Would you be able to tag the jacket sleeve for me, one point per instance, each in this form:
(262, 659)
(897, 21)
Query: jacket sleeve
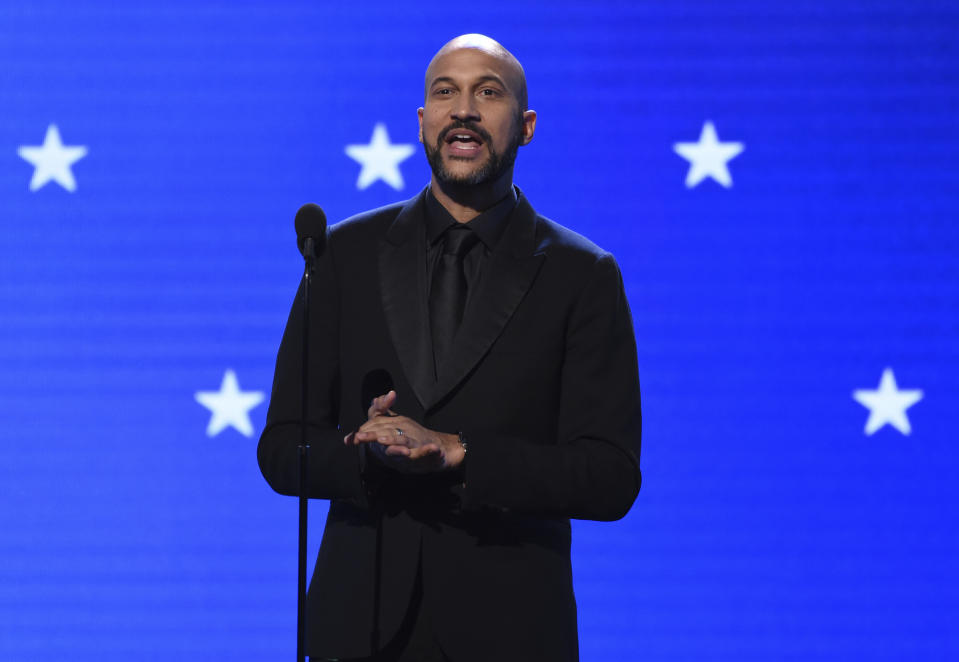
(334, 469)
(592, 469)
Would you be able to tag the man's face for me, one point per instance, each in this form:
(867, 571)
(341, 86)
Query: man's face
(471, 124)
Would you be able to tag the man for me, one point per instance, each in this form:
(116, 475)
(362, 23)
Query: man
(500, 349)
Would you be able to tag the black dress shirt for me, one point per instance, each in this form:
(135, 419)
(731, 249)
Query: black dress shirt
(488, 226)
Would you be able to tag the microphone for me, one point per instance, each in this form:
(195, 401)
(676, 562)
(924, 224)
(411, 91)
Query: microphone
(375, 383)
(310, 225)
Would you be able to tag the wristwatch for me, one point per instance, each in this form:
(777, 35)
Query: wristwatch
(466, 447)
(463, 443)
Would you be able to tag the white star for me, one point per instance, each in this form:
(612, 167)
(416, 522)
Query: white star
(887, 404)
(380, 159)
(708, 157)
(230, 406)
(52, 160)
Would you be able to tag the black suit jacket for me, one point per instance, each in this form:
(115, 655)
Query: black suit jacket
(542, 380)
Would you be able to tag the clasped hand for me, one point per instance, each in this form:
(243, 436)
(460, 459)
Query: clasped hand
(403, 444)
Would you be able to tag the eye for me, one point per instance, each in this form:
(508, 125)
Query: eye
(443, 91)
(489, 92)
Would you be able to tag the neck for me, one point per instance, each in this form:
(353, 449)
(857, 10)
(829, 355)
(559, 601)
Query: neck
(464, 203)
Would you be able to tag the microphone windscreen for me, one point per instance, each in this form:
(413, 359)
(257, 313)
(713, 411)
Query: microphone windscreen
(310, 223)
(375, 383)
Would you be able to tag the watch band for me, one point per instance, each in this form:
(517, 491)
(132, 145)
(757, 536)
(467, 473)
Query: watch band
(461, 469)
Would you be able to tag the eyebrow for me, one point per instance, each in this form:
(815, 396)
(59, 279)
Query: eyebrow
(482, 79)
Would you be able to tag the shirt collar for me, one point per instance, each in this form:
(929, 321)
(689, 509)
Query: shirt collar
(488, 226)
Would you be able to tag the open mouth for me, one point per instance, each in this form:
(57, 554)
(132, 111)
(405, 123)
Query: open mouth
(463, 142)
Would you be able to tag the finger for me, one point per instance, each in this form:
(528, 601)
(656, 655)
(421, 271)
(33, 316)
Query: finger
(389, 399)
(380, 405)
(376, 408)
(387, 438)
(377, 423)
(384, 423)
(368, 430)
(390, 439)
(398, 451)
(349, 439)
(364, 438)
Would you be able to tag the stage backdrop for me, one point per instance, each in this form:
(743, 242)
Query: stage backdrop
(778, 181)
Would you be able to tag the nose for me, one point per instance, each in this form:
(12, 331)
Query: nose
(465, 108)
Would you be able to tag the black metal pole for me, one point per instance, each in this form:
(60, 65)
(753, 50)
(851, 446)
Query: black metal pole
(303, 461)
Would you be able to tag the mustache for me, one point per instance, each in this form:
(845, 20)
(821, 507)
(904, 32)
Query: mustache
(469, 126)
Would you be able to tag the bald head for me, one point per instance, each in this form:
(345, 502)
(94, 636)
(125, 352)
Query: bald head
(512, 70)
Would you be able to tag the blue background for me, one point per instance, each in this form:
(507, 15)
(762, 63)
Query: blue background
(770, 526)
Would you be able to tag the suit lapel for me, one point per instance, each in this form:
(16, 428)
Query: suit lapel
(403, 289)
(507, 276)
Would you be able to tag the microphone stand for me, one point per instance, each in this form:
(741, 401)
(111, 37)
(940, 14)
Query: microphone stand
(303, 456)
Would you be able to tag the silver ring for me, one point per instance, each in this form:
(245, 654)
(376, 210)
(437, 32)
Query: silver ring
(399, 431)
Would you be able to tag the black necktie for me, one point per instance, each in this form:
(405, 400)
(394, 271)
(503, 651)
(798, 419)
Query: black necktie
(448, 290)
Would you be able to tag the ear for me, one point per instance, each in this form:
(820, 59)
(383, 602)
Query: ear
(419, 115)
(529, 126)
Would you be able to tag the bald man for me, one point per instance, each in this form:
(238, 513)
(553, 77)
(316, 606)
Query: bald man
(500, 349)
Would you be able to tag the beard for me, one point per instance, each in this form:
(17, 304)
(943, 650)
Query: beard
(488, 171)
